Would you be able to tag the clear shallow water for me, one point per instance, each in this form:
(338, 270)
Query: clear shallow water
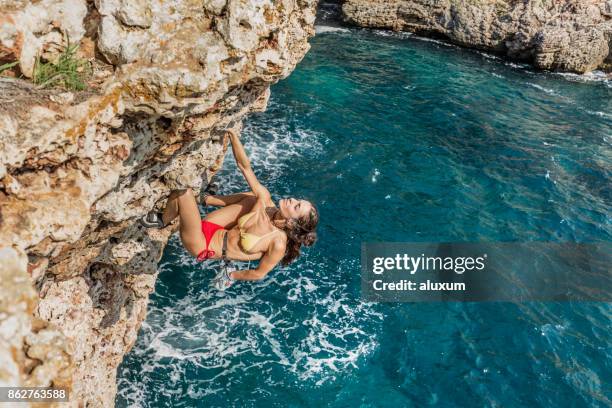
(397, 139)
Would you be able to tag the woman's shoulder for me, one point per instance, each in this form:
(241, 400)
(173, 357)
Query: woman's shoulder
(261, 204)
(282, 235)
(279, 242)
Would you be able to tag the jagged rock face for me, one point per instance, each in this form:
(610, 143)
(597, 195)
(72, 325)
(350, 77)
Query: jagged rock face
(26, 342)
(564, 35)
(78, 169)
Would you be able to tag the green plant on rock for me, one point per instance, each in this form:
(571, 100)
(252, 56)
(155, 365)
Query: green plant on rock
(69, 71)
(6, 66)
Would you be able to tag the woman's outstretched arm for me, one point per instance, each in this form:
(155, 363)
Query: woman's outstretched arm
(244, 165)
(268, 261)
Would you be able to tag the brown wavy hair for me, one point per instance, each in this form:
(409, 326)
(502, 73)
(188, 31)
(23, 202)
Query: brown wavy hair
(300, 232)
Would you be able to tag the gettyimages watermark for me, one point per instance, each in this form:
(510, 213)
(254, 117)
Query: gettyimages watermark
(514, 272)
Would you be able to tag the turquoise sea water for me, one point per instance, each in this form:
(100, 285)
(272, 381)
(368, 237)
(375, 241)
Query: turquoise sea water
(397, 138)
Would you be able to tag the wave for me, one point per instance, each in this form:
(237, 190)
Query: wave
(594, 76)
(600, 114)
(552, 92)
(488, 56)
(541, 88)
(434, 41)
(517, 65)
(394, 34)
(323, 29)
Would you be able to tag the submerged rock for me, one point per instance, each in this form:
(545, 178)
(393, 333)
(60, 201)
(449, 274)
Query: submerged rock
(565, 35)
(78, 168)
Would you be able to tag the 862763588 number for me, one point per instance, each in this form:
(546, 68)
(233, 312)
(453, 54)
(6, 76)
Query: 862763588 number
(33, 394)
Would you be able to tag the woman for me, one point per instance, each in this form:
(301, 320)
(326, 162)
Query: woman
(248, 227)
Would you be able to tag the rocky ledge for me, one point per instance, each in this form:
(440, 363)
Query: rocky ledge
(78, 168)
(561, 35)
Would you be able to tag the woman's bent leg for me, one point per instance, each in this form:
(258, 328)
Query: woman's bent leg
(183, 204)
(228, 215)
(222, 201)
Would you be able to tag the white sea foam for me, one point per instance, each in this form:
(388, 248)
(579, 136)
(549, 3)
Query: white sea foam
(489, 56)
(384, 33)
(541, 88)
(589, 77)
(272, 146)
(594, 76)
(600, 114)
(406, 34)
(433, 40)
(395, 34)
(304, 286)
(552, 92)
(323, 29)
(375, 175)
(518, 65)
(210, 332)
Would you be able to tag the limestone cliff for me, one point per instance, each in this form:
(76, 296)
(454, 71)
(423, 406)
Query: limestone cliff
(78, 168)
(564, 35)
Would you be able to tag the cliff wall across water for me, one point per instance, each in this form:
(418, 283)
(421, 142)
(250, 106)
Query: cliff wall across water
(78, 168)
(560, 35)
